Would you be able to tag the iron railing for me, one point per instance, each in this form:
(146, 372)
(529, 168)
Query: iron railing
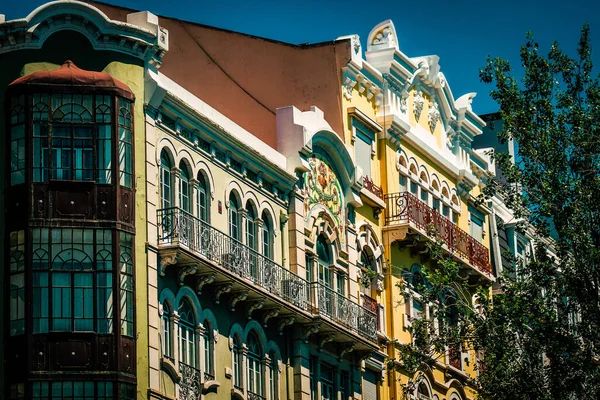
(372, 187)
(454, 354)
(176, 226)
(189, 385)
(255, 396)
(344, 311)
(407, 208)
(371, 304)
(208, 377)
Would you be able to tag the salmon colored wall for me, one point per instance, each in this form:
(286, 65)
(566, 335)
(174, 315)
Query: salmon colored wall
(263, 74)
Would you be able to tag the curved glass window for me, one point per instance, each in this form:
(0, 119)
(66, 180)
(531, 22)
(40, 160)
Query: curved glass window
(255, 377)
(67, 265)
(72, 139)
(17, 140)
(187, 334)
(17, 283)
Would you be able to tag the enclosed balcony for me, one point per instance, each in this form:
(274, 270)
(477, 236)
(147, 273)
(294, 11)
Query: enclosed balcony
(231, 267)
(406, 214)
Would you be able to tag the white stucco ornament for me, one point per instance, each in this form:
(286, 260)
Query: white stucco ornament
(383, 36)
(418, 104)
(433, 116)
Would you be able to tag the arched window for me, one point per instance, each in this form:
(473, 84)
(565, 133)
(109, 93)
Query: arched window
(325, 260)
(187, 334)
(423, 392)
(203, 198)
(234, 218)
(165, 180)
(267, 236)
(207, 342)
(251, 239)
(237, 363)
(167, 347)
(255, 376)
(184, 188)
(273, 377)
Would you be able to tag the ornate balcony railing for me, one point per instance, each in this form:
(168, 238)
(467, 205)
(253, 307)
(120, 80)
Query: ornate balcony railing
(189, 385)
(254, 396)
(208, 377)
(178, 226)
(454, 356)
(372, 187)
(371, 304)
(406, 207)
(344, 311)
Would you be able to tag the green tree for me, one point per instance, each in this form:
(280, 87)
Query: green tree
(542, 336)
(539, 335)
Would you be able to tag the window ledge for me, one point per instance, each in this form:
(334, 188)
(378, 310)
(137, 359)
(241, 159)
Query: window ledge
(211, 385)
(371, 199)
(170, 369)
(236, 394)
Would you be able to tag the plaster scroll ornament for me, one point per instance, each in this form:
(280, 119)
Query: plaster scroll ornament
(403, 106)
(419, 102)
(433, 116)
(356, 44)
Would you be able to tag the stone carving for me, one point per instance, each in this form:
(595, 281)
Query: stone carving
(236, 298)
(418, 103)
(433, 116)
(270, 314)
(204, 280)
(347, 87)
(283, 322)
(257, 305)
(221, 290)
(385, 36)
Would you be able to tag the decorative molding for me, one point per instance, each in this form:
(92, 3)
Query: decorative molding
(433, 116)
(268, 314)
(418, 104)
(256, 305)
(286, 321)
(166, 259)
(219, 291)
(204, 280)
(326, 338)
(309, 329)
(185, 270)
(347, 87)
(236, 298)
(346, 348)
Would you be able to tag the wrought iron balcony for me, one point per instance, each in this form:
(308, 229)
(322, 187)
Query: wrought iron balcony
(454, 354)
(176, 226)
(406, 208)
(255, 396)
(371, 304)
(189, 386)
(344, 311)
(181, 230)
(372, 187)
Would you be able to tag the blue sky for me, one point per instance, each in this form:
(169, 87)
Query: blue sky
(461, 32)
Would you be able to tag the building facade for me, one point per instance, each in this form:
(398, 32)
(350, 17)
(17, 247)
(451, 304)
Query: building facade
(185, 220)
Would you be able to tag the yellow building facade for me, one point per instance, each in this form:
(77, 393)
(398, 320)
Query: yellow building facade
(187, 254)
